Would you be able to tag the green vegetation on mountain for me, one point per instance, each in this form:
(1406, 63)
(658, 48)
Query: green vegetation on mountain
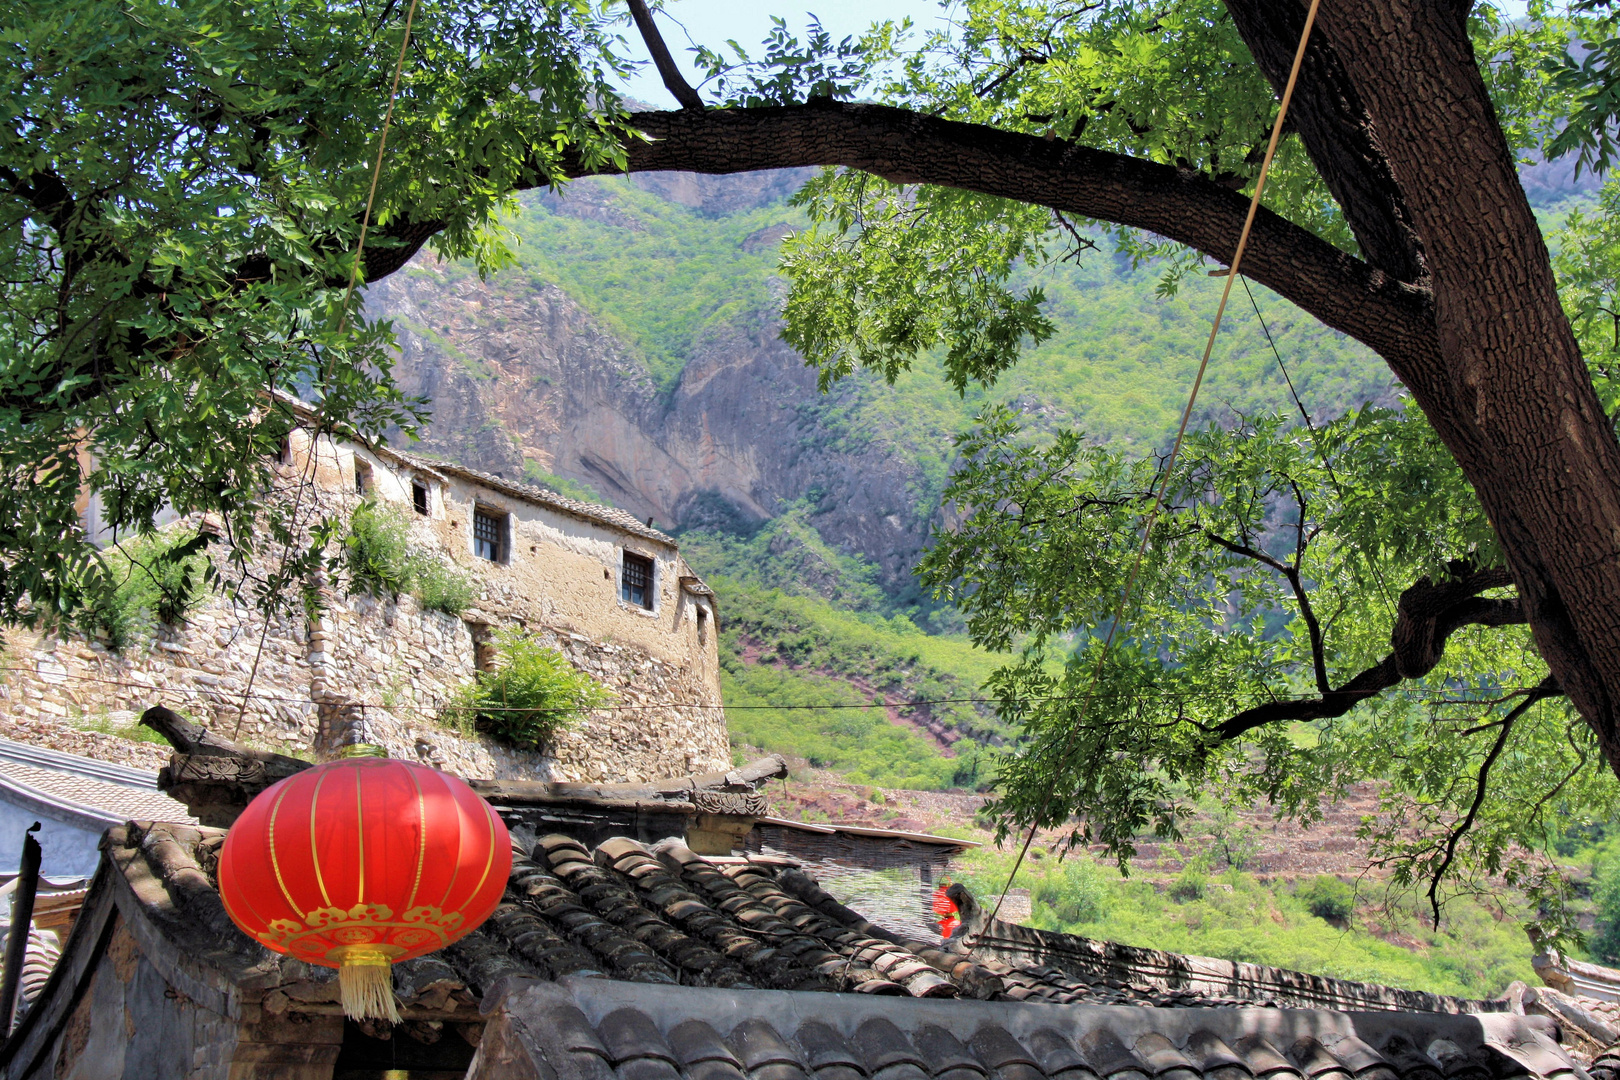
(663, 276)
(1235, 915)
(803, 677)
(659, 275)
(825, 720)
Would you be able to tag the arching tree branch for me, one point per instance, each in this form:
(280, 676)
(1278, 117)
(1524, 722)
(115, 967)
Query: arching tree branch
(1546, 689)
(667, 71)
(1393, 318)
(1427, 614)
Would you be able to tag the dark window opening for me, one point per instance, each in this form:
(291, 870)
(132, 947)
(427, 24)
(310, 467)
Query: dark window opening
(636, 581)
(703, 626)
(483, 646)
(406, 1053)
(284, 451)
(419, 499)
(362, 477)
(487, 529)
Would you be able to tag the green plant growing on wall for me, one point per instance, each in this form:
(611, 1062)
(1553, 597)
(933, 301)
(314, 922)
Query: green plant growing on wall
(438, 587)
(380, 560)
(377, 550)
(531, 694)
(104, 723)
(156, 579)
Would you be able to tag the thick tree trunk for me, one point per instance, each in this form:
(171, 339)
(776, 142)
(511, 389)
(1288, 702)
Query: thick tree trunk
(1507, 389)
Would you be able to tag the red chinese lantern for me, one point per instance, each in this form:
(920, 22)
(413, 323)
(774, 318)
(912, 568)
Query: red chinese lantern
(361, 863)
(946, 911)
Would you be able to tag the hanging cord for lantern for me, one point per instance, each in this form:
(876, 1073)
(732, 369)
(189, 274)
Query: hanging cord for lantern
(1175, 449)
(365, 972)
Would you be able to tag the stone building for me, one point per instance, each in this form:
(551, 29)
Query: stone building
(611, 593)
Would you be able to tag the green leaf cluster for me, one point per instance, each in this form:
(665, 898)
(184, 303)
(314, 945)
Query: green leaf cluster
(1275, 569)
(153, 580)
(381, 559)
(182, 190)
(530, 694)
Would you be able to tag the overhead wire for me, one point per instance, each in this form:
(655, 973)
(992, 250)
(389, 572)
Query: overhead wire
(1427, 695)
(1316, 444)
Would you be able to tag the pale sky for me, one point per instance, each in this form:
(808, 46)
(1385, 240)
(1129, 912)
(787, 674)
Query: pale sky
(711, 22)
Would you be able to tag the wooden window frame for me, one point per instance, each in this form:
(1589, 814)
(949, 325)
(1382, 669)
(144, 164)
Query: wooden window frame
(500, 544)
(637, 571)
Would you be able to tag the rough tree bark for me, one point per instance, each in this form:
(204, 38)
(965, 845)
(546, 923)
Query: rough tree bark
(1506, 388)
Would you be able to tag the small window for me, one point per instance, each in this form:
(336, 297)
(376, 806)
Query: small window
(284, 451)
(419, 499)
(636, 582)
(487, 529)
(703, 626)
(362, 477)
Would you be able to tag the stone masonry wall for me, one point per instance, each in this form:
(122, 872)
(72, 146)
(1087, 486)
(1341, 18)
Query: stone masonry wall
(383, 669)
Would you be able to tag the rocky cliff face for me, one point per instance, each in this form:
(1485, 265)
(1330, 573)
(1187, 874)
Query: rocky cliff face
(523, 379)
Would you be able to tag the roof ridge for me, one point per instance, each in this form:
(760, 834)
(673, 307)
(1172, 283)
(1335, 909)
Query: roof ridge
(77, 764)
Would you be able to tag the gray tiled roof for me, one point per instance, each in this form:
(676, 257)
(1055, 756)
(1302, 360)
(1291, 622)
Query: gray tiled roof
(606, 515)
(583, 1029)
(661, 915)
(58, 761)
(119, 800)
(666, 915)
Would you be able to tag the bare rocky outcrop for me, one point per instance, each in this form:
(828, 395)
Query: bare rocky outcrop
(517, 373)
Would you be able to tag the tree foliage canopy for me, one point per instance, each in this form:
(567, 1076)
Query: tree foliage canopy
(1320, 603)
(184, 185)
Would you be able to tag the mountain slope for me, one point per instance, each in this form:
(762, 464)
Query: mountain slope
(633, 349)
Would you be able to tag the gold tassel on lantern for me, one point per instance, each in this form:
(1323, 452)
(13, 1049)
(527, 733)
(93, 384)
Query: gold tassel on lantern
(366, 984)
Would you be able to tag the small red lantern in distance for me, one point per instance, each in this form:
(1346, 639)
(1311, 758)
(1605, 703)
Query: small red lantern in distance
(361, 863)
(946, 911)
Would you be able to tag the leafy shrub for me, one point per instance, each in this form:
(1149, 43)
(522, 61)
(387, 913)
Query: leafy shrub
(573, 489)
(377, 550)
(378, 553)
(440, 588)
(1075, 892)
(1329, 898)
(532, 693)
(1189, 885)
(160, 580)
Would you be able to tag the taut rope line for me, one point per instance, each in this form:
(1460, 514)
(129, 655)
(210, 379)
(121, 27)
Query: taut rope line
(1181, 431)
